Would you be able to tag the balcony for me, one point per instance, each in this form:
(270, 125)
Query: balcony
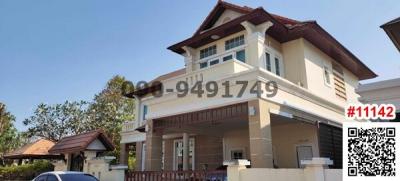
(212, 73)
(129, 126)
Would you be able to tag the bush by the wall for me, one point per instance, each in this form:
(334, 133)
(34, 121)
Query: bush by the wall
(26, 171)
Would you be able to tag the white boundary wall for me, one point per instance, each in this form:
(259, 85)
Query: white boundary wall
(315, 170)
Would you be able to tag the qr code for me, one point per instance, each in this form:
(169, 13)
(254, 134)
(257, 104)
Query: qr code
(371, 151)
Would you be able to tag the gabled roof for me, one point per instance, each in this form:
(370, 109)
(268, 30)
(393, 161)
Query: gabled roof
(38, 149)
(283, 29)
(80, 142)
(221, 6)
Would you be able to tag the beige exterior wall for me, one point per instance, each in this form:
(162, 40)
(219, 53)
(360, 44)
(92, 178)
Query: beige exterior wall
(236, 140)
(286, 137)
(208, 151)
(227, 14)
(315, 60)
(294, 64)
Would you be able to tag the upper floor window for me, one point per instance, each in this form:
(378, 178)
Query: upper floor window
(277, 66)
(213, 62)
(268, 61)
(144, 112)
(274, 63)
(203, 65)
(327, 76)
(234, 42)
(241, 55)
(206, 52)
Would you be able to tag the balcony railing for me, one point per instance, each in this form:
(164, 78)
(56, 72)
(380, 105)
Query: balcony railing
(211, 73)
(129, 126)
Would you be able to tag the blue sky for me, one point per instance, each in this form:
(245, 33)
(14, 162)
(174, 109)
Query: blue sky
(52, 51)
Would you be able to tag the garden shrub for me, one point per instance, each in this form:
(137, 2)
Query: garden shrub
(26, 171)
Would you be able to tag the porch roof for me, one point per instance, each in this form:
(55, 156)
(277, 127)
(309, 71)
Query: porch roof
(80, 142)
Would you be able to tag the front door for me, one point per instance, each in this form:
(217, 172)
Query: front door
(76, 162)
(303, 153)
(178, 154)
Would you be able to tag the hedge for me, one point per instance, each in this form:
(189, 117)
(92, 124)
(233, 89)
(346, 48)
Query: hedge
(26, 171)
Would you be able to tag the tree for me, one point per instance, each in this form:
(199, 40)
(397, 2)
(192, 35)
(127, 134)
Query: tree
(9, 136)
(110, 109)
(54, 122)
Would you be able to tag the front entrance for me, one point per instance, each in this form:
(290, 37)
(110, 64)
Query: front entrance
(178, 154)
(76, 162)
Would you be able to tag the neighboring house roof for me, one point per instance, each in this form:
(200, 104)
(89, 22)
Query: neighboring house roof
(153, 84)
(80, 142)
(38, 149)
(170, 75)
(392, 29)
(284, 30)
(381, 92)
(385, 84)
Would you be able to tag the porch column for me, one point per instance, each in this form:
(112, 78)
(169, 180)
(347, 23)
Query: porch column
(260, 134)
(255, 41)
(153, 148)
(185, 151)
(189, 55)
(123, 159)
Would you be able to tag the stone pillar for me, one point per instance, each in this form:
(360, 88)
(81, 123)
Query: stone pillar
(185, 151)
(123, 158)
(153, 148)
(234, 168)
(260, 135)
(189, 59)
(314, 169)
(138, 110)
(138, 155)
(255, 42)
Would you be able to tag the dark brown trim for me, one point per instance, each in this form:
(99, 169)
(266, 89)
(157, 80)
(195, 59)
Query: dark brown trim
(392, 29)
(217, 11)
(213, 116)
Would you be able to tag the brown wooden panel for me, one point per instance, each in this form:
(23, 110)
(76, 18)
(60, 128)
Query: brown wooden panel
(215, 115)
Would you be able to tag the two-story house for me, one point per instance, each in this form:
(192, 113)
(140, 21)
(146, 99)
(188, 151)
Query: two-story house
(306, 78)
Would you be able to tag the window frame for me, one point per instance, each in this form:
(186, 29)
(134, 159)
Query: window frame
(241, 41)
(241, 149)
(327, 80)
(273, 56)
(220, 57)
(208, 48)
(145, 110)
(213, 60)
